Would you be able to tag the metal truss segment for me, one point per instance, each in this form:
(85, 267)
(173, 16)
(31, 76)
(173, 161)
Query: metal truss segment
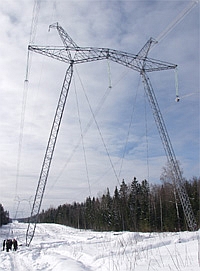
(176, 172)
(93, 54)
(48, 156)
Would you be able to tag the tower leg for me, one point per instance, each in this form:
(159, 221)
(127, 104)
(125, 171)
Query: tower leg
(48, 156)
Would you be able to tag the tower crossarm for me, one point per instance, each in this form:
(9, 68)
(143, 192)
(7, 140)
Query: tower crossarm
(89, 54)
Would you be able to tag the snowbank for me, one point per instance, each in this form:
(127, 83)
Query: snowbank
(57, 247)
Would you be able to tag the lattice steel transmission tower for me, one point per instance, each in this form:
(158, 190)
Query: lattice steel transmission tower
(72, 54)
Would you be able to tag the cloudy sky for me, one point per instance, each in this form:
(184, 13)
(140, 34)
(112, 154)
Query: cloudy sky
(107, 133)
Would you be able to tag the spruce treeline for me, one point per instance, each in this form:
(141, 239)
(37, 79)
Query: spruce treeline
(4, 216)
(136, 206)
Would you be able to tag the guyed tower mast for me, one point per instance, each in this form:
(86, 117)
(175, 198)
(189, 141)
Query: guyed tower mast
(72, 54)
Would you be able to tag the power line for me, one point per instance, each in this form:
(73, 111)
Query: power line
(32, 36)
(99, 130)
(87, 127)
(82, 140)
(176, 21)
(129, 128)
(35, 12)
(33, 30)
(146, 135)
(34, 21)
(25, 92)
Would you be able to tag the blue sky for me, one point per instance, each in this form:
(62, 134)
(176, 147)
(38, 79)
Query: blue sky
(120, 25)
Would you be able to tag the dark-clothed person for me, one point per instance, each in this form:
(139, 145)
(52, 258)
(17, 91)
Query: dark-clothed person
(4, 244)
(15, 245)
(8, 245)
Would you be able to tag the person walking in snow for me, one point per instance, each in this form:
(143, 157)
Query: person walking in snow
(4, 244)
(8, 245)
(15, 245)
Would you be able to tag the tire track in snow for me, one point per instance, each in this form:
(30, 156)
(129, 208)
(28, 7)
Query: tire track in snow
(14, 261)
(21, 264)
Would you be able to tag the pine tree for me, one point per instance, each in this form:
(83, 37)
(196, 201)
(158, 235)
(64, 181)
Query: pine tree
(123, 192)
(117, 217)
(4, 216)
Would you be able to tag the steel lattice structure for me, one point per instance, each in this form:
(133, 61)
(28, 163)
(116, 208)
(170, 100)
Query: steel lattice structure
(72, 54)
(48, 156)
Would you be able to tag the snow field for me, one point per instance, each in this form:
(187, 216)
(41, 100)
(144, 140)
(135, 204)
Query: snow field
(57, 247)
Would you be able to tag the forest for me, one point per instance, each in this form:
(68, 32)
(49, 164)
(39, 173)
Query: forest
(134, 206)
(4, 216)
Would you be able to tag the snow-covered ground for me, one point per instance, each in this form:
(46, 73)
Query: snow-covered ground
(57, 247)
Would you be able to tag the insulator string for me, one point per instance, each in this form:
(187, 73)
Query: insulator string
(176, 85)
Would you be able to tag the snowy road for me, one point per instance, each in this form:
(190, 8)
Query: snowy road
(57, 247)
